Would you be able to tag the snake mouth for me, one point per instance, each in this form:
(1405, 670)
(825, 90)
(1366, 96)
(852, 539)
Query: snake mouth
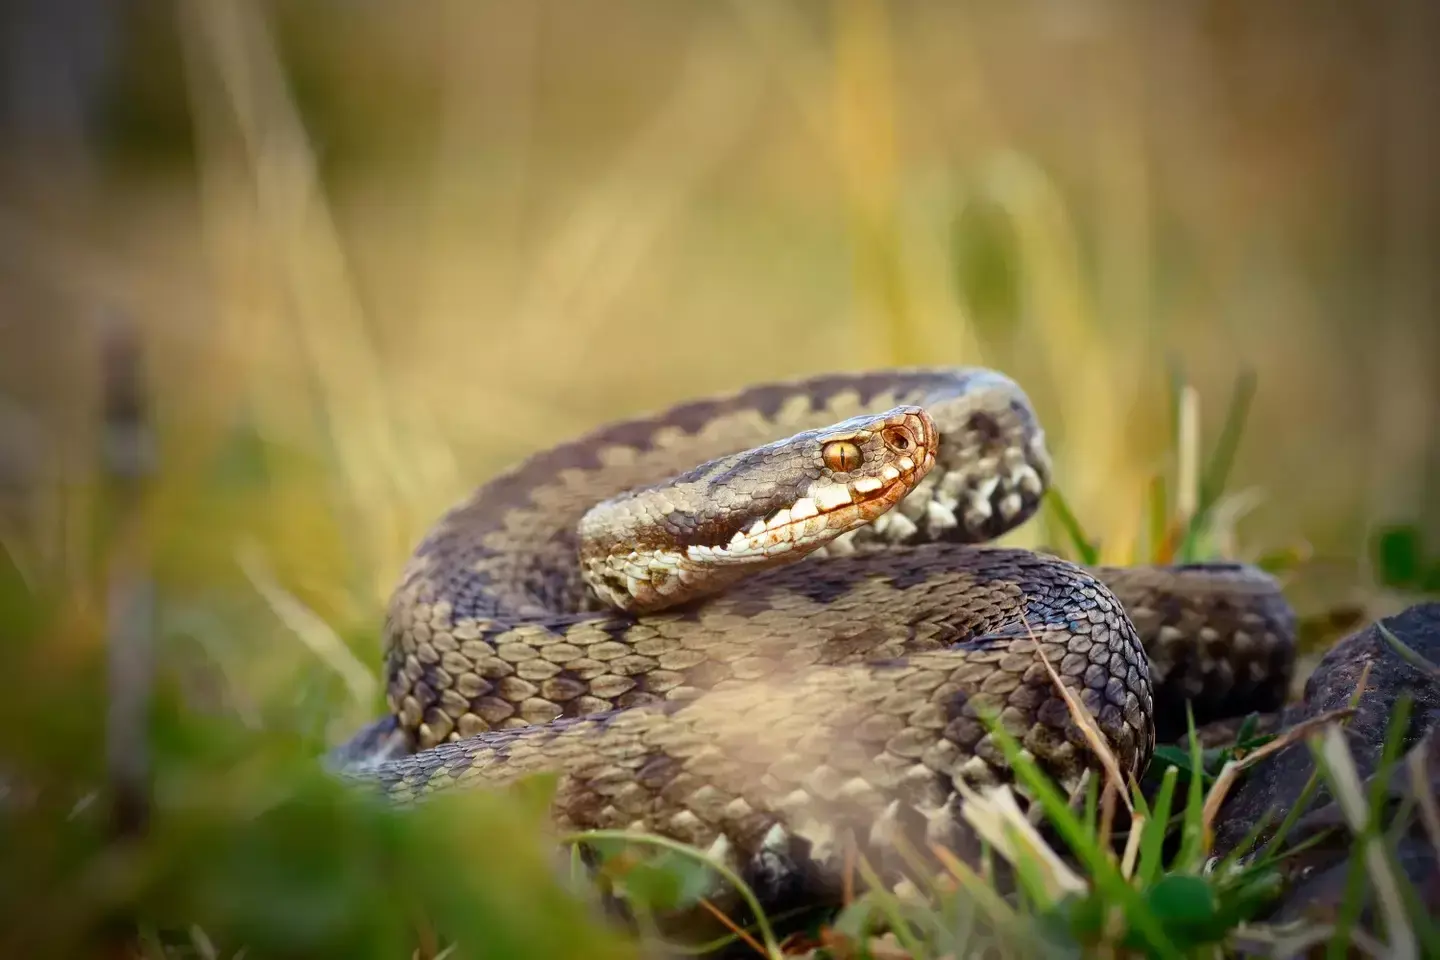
(826, 510)
(664, 545)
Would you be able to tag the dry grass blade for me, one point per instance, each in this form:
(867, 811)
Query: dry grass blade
(312, 631)
(232, 58)
(1187, 497)
(1132, 845)
(1424, 796)
(1067, 348)
(848, 880)
(1350, 795)
(1107, 812)
(885, 948)
(611, 238)
(790, 50)
(734, 928)
(1232, 769)
(921, 873)
(1093, 736)
(1301, 940)
(1076, 801)
(844, 84)
(204, 948)
(985, 896)
(890, 905)
(998, 819)
(1225, 516)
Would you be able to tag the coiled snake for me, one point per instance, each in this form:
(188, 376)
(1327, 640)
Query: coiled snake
(799, 626)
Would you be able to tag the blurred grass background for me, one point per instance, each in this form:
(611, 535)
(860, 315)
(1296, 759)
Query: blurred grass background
(377, 252)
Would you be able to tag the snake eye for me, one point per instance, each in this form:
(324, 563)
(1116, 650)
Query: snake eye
(842, 456)
(898, 439)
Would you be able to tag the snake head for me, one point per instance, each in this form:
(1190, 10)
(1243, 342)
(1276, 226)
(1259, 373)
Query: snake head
(754, 510)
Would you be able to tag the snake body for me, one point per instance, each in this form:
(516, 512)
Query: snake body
(589, 613)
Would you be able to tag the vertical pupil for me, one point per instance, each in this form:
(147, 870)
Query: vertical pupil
(842, 457)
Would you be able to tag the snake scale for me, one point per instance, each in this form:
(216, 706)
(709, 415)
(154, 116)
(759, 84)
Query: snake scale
(765, 622)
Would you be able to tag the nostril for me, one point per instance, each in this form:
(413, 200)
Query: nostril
(898, 439)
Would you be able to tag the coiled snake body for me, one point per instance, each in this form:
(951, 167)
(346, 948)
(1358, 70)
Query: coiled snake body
(799, 628)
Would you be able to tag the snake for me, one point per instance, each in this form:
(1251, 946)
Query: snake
(774, 622)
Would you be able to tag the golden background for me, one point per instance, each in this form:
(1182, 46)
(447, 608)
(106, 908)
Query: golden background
(380, 251)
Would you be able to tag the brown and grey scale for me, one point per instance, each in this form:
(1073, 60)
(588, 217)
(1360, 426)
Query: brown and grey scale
(815, 698)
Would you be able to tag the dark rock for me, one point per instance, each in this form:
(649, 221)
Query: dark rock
(1320, 872)
(1318, 875)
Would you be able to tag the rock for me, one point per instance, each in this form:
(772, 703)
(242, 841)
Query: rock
(1318, 875)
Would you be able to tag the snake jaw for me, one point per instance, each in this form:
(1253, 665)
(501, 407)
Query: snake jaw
(827, 510)
(858, 470)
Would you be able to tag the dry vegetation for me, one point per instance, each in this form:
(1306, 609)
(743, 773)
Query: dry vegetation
(379, 251)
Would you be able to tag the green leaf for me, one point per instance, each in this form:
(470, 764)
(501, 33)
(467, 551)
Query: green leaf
(669, 881)
(1172, 755)
(1247, 729)
(1188, 908)
(1398, 555)
(1169, 755)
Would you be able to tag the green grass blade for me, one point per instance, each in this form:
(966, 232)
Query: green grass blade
(1373, 866)
(892, 908)
(1353, 900)
(1192, 844)
(1086, 551)
(1246, 842)
(1152, 842)
(1275, 847)
(1104, 872)
(1217, 473)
